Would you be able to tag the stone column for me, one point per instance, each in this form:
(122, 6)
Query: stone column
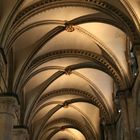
(125, 114)
(136, 94)
(8, 106)
(20, 133)
(119, 129)
(109, 131)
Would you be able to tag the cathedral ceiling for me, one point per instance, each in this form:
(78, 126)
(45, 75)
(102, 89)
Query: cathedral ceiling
(68, 59)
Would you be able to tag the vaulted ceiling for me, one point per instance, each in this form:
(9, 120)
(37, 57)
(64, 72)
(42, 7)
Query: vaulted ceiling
(67, 61)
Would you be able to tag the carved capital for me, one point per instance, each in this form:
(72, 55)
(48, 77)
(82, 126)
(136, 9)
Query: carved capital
(136, 49)
(123, 94)
(8, 104)
(20, 133)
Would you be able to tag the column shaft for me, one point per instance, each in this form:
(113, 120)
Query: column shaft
(125, 117)
(8, 106)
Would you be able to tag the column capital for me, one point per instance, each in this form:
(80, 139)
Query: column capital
(10, 94)
(136, 46)
(123, 93)
(8, 104)
(20, 133)
(136, 50)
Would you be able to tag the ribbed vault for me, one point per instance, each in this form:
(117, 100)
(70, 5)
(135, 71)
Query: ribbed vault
(68, 60)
